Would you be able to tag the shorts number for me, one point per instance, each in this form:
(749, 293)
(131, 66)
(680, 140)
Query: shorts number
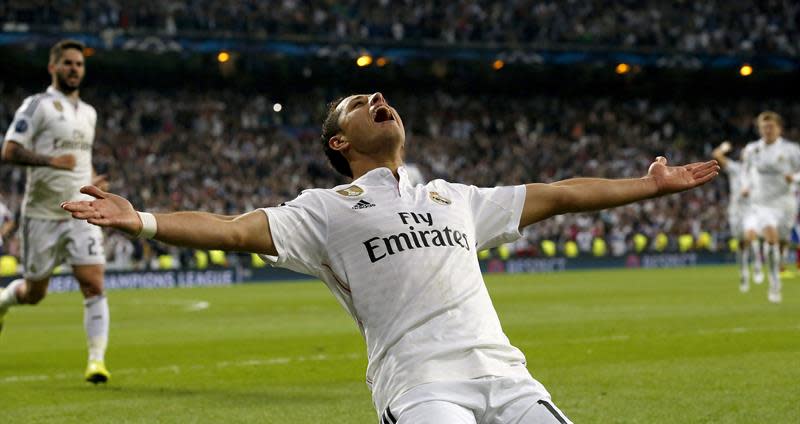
(92, 251)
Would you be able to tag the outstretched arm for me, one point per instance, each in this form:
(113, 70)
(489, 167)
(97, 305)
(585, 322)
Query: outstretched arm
(719, 154)
(200, 230)
(590, 194)
(15, 153)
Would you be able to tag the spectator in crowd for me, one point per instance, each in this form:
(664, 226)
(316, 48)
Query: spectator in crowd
(714, 26)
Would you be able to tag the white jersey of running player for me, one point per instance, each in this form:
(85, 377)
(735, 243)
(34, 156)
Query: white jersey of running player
(772, 164)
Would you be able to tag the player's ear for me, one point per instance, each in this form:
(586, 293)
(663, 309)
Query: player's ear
(338, 143)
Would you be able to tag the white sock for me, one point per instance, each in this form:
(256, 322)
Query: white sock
(744, 264)
(8, 297)
(95, 320)
(774, 267)
(757, 263)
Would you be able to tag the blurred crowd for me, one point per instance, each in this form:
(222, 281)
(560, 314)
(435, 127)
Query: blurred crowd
(714, 26)
(230, 152)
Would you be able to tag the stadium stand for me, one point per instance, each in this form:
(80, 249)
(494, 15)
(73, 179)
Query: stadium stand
(718, 26)
(152, 144)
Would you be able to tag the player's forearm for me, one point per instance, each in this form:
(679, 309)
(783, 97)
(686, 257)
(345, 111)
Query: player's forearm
(720, 157)
(16, 154)
(202, 230)
(577, 181)
(589, 194)
(599, 193)
(6, 228)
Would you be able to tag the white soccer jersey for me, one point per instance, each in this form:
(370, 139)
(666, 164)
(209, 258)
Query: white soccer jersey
(402, 260)
(50, 124)
(767, 166)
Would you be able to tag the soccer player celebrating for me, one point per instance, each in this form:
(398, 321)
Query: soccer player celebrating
(773, 165)
(402, 260)
(737, 208)
(52, 135)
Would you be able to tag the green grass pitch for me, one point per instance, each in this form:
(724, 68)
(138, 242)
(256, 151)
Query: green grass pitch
(638, 346)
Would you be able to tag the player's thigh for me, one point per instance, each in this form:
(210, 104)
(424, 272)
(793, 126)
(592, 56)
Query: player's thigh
(85, 246)
(736, 224)
(540, 411)
(42, 247)
(433, 412)
(753, 224)
(522, 400)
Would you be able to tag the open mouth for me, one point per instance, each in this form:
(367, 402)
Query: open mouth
(382, 114)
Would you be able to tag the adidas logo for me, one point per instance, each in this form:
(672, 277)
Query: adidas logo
(363, 204)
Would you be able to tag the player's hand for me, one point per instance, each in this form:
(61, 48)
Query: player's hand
(725, 147)
(100, 181)
(107, 210)
(672, 179)
(789, 178)
(63, 162)
(746, 192)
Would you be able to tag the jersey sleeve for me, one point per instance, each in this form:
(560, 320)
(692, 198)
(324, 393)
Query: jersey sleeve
(26, 122)
(496, 213)
(299, 232)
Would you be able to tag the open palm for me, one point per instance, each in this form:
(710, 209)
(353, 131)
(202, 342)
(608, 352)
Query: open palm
(107, 210)
(672, 179)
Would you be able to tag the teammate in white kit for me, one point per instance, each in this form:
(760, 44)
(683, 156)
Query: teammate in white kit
(402, 260)
(773, 165)
(737, 209)
(6, 225)
(52, 135)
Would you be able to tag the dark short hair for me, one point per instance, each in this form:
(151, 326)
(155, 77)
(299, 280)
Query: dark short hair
(330, 128)
(58, 49)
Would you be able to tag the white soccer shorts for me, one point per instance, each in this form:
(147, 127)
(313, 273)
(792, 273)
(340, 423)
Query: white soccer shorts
(781, 217)
(48, 243)
(485, 400)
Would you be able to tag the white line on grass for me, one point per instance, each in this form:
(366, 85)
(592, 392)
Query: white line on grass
(701, 331)
(177, 369)
(189, 305)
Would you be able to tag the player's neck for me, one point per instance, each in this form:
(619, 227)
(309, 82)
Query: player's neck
(73, 95)
(362, 166)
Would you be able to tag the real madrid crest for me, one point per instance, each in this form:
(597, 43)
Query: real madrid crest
(351, 191)
(57, 105)
(436, 197)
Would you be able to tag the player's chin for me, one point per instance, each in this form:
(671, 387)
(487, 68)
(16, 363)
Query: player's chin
(393, 136)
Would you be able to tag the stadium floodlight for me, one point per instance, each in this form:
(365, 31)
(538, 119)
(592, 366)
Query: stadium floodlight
(277, 107)
(382, 61)
(364, 60)
(223, 56)
(498, 65)
(746, 70)
(622, 68)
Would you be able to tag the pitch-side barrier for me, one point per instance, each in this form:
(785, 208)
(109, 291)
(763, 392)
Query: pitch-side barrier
(227, 276)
